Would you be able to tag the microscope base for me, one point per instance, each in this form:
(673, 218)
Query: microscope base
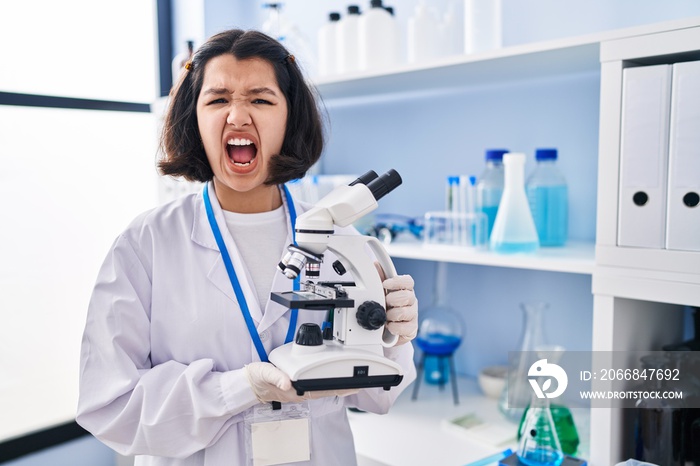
(334, 367)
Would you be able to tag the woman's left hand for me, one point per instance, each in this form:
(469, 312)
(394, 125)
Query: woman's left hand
(401, 308)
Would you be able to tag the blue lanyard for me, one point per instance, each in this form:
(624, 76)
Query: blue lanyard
(234, 278)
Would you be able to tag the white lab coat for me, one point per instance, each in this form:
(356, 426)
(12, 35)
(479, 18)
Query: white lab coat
(165, 343)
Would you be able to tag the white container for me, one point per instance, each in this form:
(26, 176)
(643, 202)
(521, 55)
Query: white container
(378, 40)
(423, 35)
(347, 41)
(452, 29)
(327, 53)
(482, 25)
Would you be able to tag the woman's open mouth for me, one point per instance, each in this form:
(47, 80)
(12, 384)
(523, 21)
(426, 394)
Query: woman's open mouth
(241, 151)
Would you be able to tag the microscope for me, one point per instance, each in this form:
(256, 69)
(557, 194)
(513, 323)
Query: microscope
(349, 352)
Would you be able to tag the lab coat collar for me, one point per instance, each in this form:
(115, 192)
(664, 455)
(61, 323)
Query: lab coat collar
(202, 235)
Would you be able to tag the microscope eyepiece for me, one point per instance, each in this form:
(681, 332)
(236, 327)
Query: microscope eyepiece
(384, 184)
(366, 178)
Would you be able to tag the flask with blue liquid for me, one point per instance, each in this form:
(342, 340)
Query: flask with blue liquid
(513, 230)
(489, 187)
(548, 196)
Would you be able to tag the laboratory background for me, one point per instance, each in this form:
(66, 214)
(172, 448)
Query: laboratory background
(449, 93)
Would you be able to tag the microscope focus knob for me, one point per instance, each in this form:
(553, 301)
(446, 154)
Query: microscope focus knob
(339, 268)
(371, 315)
(309, 335)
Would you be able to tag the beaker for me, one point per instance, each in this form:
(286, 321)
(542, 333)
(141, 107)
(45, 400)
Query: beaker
(539, 445)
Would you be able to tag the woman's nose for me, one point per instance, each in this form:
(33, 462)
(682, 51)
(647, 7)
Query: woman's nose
(238, 115)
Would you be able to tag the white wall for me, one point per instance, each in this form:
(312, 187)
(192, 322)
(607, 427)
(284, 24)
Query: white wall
(71, 181)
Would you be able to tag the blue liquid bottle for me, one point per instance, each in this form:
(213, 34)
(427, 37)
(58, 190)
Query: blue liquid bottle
(513, 230)
(489, 187)
(548, 196)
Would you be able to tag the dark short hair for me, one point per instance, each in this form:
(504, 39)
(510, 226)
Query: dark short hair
(183, 154)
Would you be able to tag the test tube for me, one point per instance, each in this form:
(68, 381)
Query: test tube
(453, 209)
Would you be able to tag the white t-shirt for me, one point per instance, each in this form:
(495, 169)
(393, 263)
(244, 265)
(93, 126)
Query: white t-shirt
(261, 239)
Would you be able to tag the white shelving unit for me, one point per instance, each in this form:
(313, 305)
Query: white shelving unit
(638, 294)
(517, 63)
(575, 257)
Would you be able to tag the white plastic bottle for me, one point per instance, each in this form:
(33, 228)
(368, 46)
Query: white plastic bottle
(423, 34)
(482, 25)
(327, 38)
(378, 42)
(514, 230)
(348, 41)
(452, 29)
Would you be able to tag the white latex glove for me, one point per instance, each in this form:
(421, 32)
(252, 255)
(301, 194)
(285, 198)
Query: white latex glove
(271, 384)
(401, 308)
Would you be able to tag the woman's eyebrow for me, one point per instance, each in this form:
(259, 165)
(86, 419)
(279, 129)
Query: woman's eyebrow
(253, 91)
(260, 90)
(216, 91)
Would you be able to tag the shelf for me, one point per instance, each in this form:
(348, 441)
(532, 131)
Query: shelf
(576, 257)
(509, 64)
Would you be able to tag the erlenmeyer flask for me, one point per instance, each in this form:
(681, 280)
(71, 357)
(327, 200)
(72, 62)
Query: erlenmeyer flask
(539, 445)
(517, 392)
(562, 416)
(514, 230)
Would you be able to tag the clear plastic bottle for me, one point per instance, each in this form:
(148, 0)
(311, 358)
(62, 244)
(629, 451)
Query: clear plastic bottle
(327, 38)
(378, 41)
(347, 45)
(513, 230)
(278, 25)
(548, 196)
(489, 187)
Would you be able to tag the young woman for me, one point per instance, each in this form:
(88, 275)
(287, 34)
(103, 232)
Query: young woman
(170, 369)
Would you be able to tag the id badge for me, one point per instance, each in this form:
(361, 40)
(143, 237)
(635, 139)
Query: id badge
(278, 436)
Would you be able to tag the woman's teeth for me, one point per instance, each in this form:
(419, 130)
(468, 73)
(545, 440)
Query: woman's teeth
(241, 142)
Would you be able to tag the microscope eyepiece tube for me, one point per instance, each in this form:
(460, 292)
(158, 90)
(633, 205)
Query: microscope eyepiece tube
(385, 184)
(366, 178)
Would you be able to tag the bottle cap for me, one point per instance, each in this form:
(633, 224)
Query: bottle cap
(495, 154)
(334, 16)
(376, 4)
(545, 154)
(353, 10)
